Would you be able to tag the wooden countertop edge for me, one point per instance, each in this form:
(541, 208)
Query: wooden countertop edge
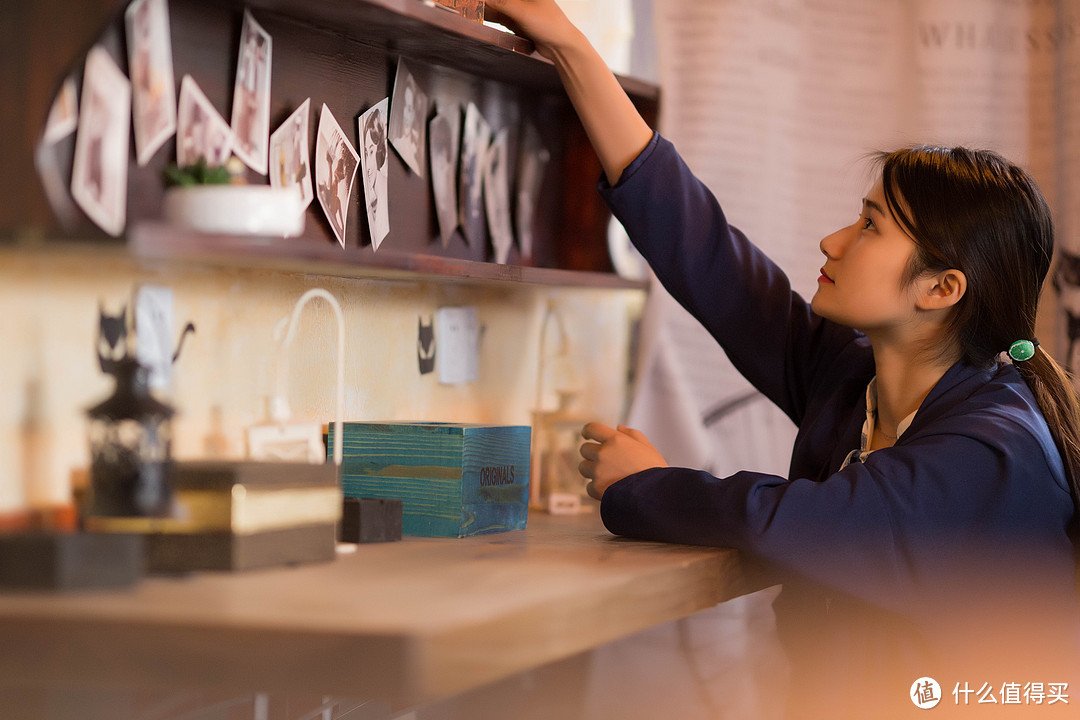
(74, 642)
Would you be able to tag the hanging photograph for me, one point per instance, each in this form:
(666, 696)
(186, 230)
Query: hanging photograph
(99, 170)
(251, 96)
(408, 120)
(444, 140)
(201, 131)
(63, 115)
(373, 164)
(289, 166)
(153, 87)
(335, 169)
(532, 161)
(497, 197)
(474, 145)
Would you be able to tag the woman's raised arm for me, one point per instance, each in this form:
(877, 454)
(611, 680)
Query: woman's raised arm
(616, 130)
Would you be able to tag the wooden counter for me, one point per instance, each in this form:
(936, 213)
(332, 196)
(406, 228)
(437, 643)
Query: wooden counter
(403, 623)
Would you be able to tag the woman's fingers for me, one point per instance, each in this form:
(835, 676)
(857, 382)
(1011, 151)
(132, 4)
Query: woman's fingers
(598, 432)
(611, 454)
(590, 451)
(636, 434)
(490, 13)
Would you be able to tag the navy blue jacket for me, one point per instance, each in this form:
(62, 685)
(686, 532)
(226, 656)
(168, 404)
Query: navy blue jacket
(972, 499)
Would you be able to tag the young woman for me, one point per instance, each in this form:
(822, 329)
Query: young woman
(926, 525)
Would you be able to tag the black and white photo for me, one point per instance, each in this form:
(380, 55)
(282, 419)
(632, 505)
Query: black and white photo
(63, 113)
(497, 197)
(444, 140)
(289, 157)
(150, 64)
(408, 120)
(335, 169)
(373, 148)
(99, 170)
(251, 95)
(201, 132)
(474, 144)
(532, 161)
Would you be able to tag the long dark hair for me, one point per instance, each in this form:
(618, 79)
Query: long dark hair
(974, 211)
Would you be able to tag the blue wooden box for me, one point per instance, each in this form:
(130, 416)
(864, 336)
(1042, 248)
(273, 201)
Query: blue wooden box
(454, 480)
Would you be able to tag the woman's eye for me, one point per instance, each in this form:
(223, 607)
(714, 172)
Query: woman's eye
(867, 223)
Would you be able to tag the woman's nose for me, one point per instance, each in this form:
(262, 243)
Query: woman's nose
(833, 245)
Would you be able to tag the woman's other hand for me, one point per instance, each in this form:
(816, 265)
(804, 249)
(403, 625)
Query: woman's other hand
(613, 453)
(542, 21)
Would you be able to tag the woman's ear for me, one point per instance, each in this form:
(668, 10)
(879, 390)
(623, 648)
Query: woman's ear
(942, 290)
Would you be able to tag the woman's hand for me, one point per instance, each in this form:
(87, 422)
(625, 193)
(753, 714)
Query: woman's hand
(613, 454)
(542, 21)
(615, 129)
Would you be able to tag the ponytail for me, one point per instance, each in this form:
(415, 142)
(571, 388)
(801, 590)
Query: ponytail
(1060, 405)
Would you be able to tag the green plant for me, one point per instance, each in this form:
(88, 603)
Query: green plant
(197, 174)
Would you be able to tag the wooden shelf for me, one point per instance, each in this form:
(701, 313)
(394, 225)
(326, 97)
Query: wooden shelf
(406, 622)
(342, 53)
(418, 30)
(159, 241)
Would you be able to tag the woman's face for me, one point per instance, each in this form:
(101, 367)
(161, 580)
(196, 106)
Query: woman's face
(371, 161)
(862, 284)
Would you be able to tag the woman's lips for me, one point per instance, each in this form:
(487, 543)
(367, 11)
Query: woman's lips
(824, 278)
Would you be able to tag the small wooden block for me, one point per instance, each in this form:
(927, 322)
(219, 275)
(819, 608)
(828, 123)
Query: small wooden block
(180, 552)
(469, 9)
(370, 520)
(70, 561)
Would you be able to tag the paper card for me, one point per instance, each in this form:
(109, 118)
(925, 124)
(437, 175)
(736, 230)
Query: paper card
(151, 67)
(474, 145)
(251, 95)
(497, 197)
(289, 157)
(408, 120)
(444, 142)
(375, 171)
(335, 168)
(296, 442)
(154, 333)
(533, 160)
(458, 337)
(201, 131)
(63, 115)
(99, 171)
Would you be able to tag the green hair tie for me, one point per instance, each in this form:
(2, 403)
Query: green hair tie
(1022, 350)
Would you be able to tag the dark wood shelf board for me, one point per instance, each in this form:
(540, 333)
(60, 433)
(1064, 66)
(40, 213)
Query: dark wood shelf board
(160, 241)
(417, 30)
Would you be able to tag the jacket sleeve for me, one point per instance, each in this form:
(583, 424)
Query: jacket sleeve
(741, 297)
(901, 528)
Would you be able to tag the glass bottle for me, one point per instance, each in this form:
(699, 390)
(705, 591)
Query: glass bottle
(131, 469)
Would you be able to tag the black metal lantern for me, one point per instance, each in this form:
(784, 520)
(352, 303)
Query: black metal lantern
(130, 437)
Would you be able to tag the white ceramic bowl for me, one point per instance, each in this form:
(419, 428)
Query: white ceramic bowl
(236, 209)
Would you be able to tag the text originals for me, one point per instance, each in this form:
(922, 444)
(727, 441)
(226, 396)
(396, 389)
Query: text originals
(496, 475)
